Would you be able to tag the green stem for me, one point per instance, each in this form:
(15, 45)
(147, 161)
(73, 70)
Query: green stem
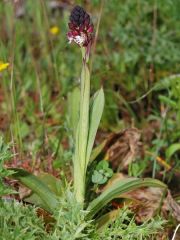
(79, 160)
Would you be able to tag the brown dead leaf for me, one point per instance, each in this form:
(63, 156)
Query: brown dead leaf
(123, 147)
(150, 130)
(4, 122)
(47, 218)
(173, 206)
(23, 191)
(146, 202)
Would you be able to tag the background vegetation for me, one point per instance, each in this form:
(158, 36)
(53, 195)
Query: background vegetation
(136, 60)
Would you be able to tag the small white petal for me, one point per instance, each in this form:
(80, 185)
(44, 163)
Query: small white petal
(80, 39)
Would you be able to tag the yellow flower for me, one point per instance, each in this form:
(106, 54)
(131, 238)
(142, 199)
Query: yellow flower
(54, 30)
(3, 66)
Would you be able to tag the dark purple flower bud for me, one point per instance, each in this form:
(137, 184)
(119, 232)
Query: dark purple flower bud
(81, 28)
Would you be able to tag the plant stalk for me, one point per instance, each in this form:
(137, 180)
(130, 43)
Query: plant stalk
(80, 164)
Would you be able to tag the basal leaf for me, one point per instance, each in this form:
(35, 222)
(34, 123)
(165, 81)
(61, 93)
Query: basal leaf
(37, 186)
(54, 184)
(118, 188)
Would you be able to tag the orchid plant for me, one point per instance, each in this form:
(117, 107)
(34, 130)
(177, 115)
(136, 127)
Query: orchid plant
(81, 32)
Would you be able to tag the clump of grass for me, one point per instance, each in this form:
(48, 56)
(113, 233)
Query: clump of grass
(71, 222)
(20, 222)
(5, 155)
(125, 227)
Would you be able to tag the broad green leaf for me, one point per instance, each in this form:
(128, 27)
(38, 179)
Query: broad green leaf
(34, 199)
(118, 188)
(96, 110)
(52, 183)
(73, 108)
(48, 198)
(172, 149)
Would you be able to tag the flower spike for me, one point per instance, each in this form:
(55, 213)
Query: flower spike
(81, 27)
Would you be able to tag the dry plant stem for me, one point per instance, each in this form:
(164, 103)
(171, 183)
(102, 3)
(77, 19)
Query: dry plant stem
(161, 161)
(153, 44)
(49, 41)
(174, 235)
(80, 164)
(39, 92)
(16, 129)
(158, 146)
(96, 34)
